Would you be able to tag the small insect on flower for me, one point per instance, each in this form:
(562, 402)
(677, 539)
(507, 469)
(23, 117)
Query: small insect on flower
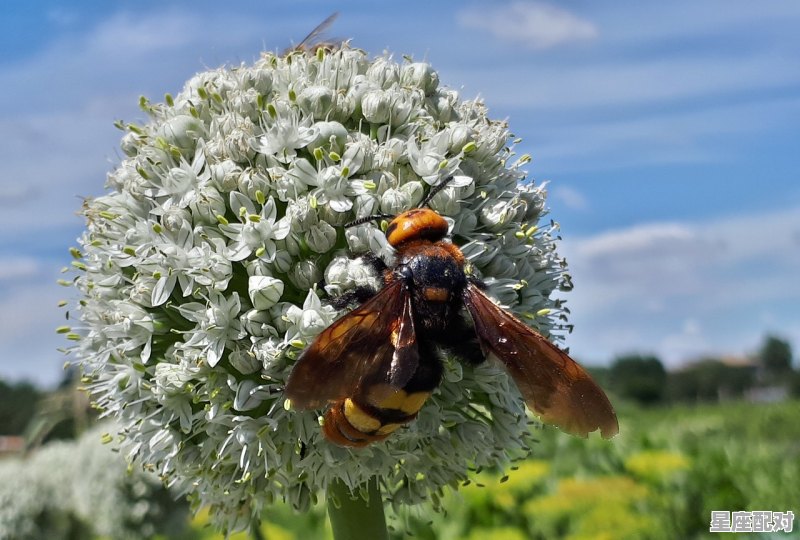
(376, 366)
(313, 42)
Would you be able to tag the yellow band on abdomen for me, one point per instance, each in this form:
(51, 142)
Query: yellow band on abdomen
(359, 418)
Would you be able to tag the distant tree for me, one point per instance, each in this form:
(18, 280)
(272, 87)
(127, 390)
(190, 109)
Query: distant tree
(709, 379)
(640, 378)
(18, 402)
(794, 385)
(775, 356)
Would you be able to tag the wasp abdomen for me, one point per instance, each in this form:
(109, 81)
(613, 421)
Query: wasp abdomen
(373, 417)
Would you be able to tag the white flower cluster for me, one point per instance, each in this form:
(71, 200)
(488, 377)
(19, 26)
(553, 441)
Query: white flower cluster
(204, 273)
(76, 489)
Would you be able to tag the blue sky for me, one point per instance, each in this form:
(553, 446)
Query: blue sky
(668, 133)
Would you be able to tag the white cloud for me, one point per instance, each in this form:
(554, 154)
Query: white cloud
(13, 268)
(56, 116)
(685, 289)
(571, 197)
(692, 136)
(638, 239)
(627, 82)
(532, 24)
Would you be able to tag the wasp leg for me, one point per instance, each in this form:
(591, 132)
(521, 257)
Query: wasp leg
(356, 296)
(460, 340)
(477, 282)
(375, 263)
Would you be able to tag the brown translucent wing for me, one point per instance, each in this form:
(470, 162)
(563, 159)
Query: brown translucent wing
(554, 386)
(312, 40)
(375, 342)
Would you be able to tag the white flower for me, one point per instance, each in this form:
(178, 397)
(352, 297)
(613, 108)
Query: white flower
(284, 137)
(336, 189)
(218, 323)
(84, 482)
(210, 264)
(180, 185)
(257, 231)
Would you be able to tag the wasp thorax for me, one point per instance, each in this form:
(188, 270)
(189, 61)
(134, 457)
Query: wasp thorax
(417, 224)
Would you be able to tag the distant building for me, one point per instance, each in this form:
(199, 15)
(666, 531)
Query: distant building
(11, 445)
(767, 394)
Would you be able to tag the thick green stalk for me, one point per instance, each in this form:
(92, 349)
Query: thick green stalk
(353, 518)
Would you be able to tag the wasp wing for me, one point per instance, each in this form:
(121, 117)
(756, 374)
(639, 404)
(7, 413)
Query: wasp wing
(375, 342)
(554, 386)
(313, 37)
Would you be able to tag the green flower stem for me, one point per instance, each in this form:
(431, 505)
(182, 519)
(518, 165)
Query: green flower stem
(353, 518)
(256, 532)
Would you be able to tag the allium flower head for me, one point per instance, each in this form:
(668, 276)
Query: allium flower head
(206, 270)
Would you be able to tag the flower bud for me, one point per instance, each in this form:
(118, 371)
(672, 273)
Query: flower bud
(257, 78)
(384, 73)
(375, 106)
(183, 131)
(282, 262)
(321, 237)
(444, 104)
(415, 193)
(174, 218)
(316, 101)
(459, 136)
(301, 215)
(394, 201)
(264, 291)
(331, 136)
(208, 205)
(365, 205)
(389, 153)
(305, 274)
(130, 144)
(419, 75)
(225, 175)
(244, 361)
(256, 323)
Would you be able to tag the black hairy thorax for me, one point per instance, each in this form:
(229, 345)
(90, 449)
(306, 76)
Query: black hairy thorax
(436, 281)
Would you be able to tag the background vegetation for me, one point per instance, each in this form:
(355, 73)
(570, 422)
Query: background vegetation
(692, 441)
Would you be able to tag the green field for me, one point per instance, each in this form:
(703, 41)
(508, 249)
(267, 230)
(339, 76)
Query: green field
(660, 478)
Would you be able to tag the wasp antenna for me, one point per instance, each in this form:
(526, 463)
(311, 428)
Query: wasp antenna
(367, 219)
(434, 190)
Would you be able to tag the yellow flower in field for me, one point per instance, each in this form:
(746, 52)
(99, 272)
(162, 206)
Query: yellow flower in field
(498, 533)
(605, 507)
(527, 476)
(575, 494)
(656, 465)
(616, 522)
(507, 491)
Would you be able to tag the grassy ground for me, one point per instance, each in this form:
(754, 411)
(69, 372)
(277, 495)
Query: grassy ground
(660, 478)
